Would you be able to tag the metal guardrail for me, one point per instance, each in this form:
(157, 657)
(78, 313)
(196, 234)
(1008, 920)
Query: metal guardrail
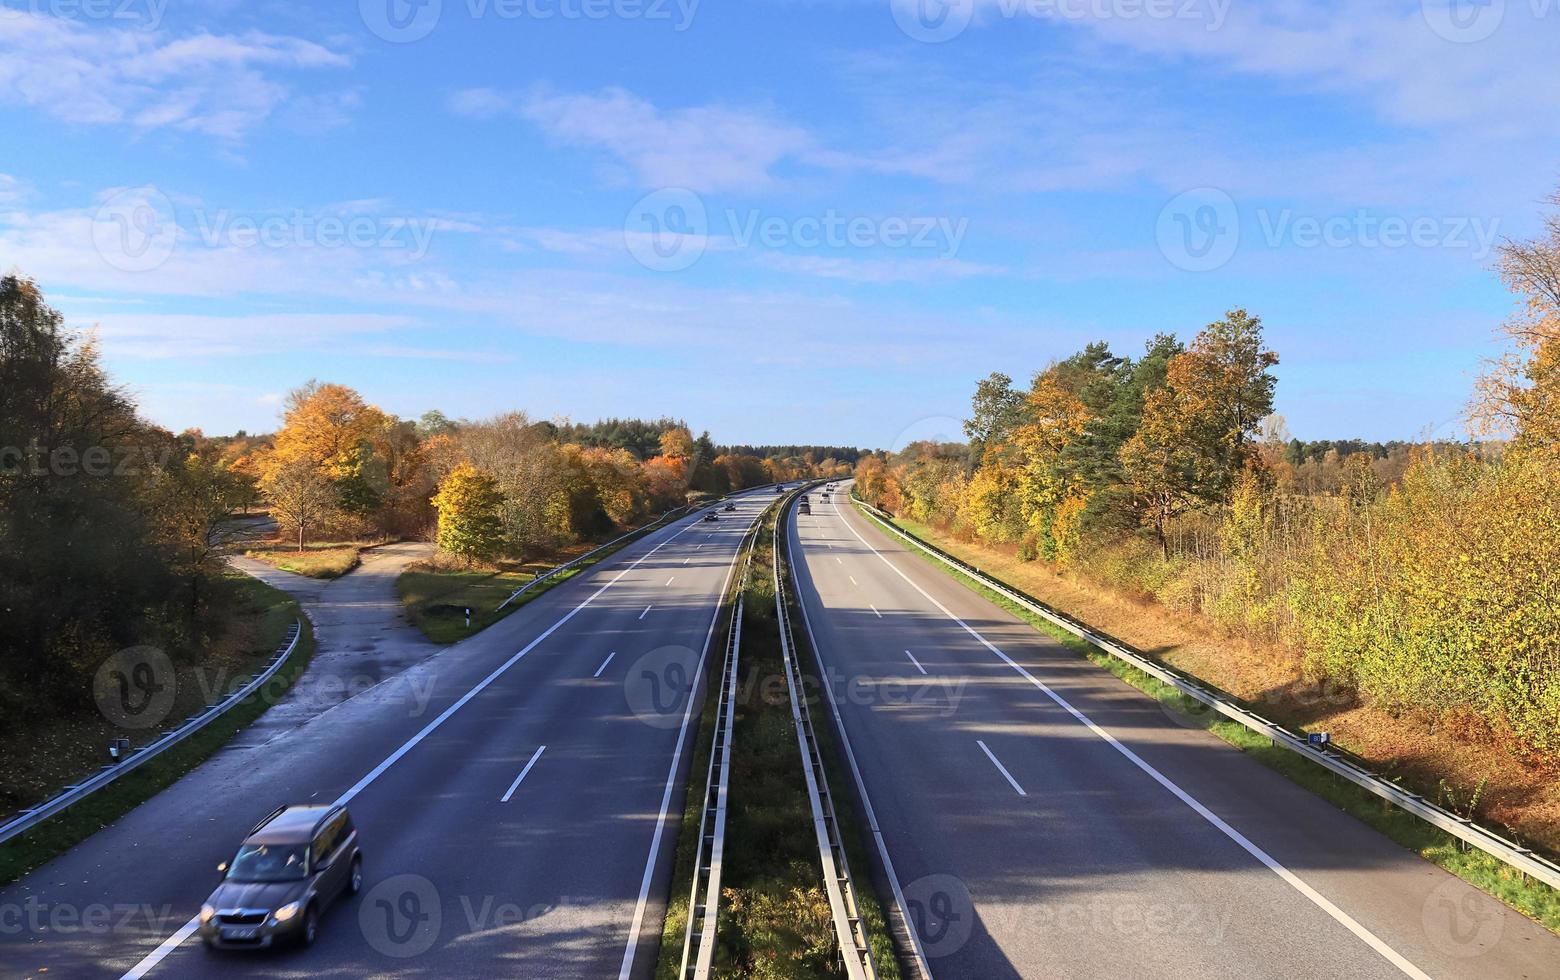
(659, 522)
(843, 904)
(1523, 859)
(71, 795)
(550, 573)
(704, 898)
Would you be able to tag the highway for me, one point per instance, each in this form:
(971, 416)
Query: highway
(517, 796)
(1040, 818)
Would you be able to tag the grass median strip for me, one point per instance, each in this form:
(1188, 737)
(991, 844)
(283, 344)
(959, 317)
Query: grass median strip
(774, 919)
(1534, 899)
(57, 835)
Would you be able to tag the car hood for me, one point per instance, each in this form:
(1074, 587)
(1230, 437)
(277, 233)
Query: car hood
(269, 896)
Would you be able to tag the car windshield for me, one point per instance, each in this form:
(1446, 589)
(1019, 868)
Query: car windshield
(269, 862)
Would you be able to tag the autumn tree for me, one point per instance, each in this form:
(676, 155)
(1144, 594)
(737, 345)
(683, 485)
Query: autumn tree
(1195, 434)
(192, 494)
(1519, 394)
(470, 525)
(302, 497)
(1051, 496)
(82, 569)
(995, 410)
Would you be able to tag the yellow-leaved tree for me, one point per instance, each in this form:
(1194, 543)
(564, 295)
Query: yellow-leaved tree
(470, 526)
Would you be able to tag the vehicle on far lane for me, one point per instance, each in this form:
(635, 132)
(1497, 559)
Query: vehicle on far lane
(731, 507)
(710, 515)
(289, 869)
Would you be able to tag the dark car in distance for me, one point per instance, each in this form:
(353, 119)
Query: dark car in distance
(711, 516)
(730, 508)
(289, 869)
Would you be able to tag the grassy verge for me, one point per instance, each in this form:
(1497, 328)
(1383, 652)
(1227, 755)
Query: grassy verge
(436, 599)
(271, 612)
(775, 920)
(326, 559)
(1532, 898)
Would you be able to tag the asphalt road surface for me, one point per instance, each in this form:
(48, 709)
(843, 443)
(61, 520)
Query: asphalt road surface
(470, 870)
(1043, 819)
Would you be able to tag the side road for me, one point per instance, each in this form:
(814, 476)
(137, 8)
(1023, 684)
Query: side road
(361, 635)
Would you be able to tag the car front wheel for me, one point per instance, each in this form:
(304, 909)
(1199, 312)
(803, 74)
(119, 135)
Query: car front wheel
(355, 882)
(311, 926)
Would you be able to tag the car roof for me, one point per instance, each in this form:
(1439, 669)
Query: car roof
(290, 825)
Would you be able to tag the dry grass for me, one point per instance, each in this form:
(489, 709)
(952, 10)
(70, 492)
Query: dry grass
(326, 559)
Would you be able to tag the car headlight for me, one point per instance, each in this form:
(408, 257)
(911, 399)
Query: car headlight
(206, 912)
(285, 912)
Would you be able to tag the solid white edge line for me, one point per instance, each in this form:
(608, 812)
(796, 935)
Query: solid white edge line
(794, 533)
(915, 661)
(604, 664)
(173, 942)
(521, 778)
(671, 776)
(1320, 901)
(1001, 768)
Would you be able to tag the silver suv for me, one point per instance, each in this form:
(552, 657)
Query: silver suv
(288, 870)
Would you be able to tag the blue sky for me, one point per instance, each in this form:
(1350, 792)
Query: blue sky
(813, 221)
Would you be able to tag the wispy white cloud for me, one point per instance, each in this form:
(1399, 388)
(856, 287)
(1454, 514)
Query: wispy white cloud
(220, 86)
(702, 148)
(1412, 63)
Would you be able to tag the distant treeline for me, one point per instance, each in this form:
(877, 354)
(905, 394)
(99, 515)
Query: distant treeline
(840, 454)
(1297, 451)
